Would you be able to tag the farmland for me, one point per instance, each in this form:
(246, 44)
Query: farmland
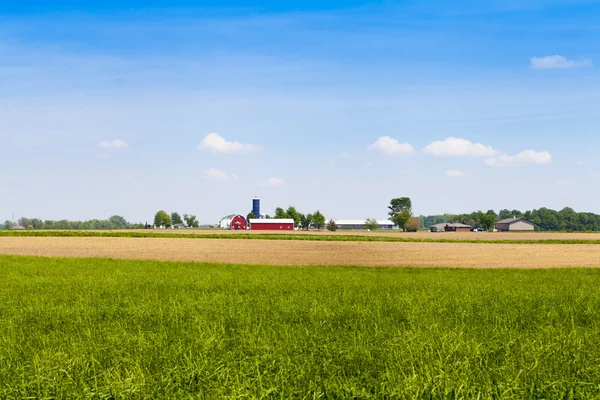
(98, 328)
(302, 252)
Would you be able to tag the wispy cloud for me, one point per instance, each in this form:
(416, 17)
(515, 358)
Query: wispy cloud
(455, 174)
(215, 143)
(392, 147)
(558, 62)
(113, 144)
(216, 174)
(524, 157)
(273, 182)
(458, 147)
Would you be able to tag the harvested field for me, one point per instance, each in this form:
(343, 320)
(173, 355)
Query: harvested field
(470, 236)
(463, 255)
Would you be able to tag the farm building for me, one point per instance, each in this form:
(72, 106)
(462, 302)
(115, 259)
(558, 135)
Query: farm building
(360, 224)
(17, 228)
(455, 227)
(272, 224)
(238, 223)
(514, 224)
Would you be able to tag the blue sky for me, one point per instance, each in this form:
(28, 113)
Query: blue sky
(130, 107)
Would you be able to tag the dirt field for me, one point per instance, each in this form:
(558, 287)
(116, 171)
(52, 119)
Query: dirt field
(311, 253)
(395, 233)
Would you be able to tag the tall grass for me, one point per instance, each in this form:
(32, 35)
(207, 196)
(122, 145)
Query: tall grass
(283, 236)
(90, 328)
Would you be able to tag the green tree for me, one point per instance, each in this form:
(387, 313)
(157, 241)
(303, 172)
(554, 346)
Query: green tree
(292, 213)
(176, 219)
(331, 225)
(24, 222)
(487, 221)
(8, 224)
(318, 219)
(191, 221)
(280, 213)
(118, 222)
(162, 219)
(305, 221)
(250, 216)
(371, 224)
(400, 210)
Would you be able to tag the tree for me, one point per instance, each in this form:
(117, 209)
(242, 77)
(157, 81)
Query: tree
(176, 219)
(8, 224)
(318, 219)
(280, 213)
(305, 221)
(24, 222)
(371, 224)
(118, 222)
(400, 211)
(162, 219)
(412, 225)
(292, 213)
(331, 226)
(250, 216)
(191, 221)
(487, 220)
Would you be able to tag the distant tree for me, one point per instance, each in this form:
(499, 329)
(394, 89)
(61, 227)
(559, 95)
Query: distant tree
(400, 210)
(118, 222)
(412, 225)
(190, 220)
(292, 213)
(503, 214)
(37, 223)
(305, 221)
(318, 219)
(331, 225)
(24, 222)
(176, 219)
(371, 224)
(162, 219)
(487, 221)
(8, 224)
(250, 216)
(280, 213)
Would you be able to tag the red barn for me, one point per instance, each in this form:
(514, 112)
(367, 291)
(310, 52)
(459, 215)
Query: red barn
(238, 223)
(271, 224)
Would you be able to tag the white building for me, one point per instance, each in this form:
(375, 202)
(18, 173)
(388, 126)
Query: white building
(360, 224)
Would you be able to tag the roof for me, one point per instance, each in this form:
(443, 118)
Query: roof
(513, 220)
(458, 225)
(361, 222)
(17, 227)
(272, 221)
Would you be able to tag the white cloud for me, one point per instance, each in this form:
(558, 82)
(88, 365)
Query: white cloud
(214, 173)
(217, 144)
(113, 145)
(524, 157)
(389, 146)
(558, 62)
(455, 174)
(273, 182)
(459, 147)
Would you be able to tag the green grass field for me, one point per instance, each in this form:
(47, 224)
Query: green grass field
(91, 328)
(283, 236)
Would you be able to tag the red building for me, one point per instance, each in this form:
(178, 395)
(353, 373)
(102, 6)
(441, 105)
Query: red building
(238, 223)
(271, 224)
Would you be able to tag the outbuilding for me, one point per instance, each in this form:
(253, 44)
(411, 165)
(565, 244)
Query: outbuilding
(514, 224)
(360, 224)
(284, 224)
(238, 223)
(455, 227)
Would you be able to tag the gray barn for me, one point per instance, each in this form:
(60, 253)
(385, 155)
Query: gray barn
(514, 224)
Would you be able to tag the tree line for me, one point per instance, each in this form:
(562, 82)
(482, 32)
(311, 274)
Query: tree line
(545, 219)
(114, 222)
(162, 219)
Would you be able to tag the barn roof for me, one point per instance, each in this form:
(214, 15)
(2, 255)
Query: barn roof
(513, 220)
